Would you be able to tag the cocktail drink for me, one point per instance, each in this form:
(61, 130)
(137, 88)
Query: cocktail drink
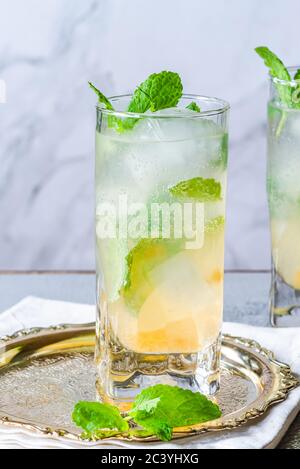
(160, 217)
(283, 176)
(284, 202)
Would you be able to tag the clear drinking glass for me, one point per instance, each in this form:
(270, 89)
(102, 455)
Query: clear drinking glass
(283, 185)
(160, 216)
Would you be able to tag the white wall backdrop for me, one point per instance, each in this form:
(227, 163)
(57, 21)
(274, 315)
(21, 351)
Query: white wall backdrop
(49, 50)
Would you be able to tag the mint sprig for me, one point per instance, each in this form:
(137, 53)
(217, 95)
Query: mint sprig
(288, 94)
(274, 63)
(158, 410)
(277, 70)
(159, 91)
(161, 408)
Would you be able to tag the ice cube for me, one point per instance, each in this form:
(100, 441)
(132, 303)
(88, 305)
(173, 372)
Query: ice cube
(174, 124)
(158, 153)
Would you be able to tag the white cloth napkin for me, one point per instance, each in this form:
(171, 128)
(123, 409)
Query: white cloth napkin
(262, 433)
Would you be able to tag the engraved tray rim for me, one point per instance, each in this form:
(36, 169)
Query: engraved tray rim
(284, 381)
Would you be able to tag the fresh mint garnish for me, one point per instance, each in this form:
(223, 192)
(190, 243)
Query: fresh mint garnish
(199, 189)
(194, 107)
(92, 416)
(277, 70)
(285, 90)
(101, 98)
(273, 62)
(158, 410)
(112, 120)
(161, 408)
(160, 91)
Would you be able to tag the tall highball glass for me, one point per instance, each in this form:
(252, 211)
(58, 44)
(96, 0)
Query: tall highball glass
(283, 185)
(160, 218)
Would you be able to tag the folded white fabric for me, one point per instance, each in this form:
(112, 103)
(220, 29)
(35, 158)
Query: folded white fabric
(263, 433)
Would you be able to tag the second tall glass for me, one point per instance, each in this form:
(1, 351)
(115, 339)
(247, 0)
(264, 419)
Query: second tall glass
(283, 183)
(160, 218)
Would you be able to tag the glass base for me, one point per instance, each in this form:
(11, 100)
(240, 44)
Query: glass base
(284, 303)
(122, 374)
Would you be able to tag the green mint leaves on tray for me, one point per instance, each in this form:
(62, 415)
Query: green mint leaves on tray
(92, 416)
(159, 91)
(156, 410)
(161, 408)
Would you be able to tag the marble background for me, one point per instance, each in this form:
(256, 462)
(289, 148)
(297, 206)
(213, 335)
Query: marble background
(49, 50)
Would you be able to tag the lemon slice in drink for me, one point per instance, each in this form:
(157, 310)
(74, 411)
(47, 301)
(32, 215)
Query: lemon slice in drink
(141, 260)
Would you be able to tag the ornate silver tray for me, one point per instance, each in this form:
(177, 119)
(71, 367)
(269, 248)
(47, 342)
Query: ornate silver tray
(44, 372)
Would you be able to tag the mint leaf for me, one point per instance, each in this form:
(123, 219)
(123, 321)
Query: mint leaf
(200, 189)
(277, 70)
(147, 406)
(93, 416)
(158, 410)
(101, 98)
(171, 407)
(276, 66)
(159, 91)
(194, 107)
(112, 120)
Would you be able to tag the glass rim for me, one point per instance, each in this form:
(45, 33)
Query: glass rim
(292, 82)
(223, 106)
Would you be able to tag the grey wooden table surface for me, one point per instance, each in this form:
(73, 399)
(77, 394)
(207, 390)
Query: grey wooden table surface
(246, 297)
